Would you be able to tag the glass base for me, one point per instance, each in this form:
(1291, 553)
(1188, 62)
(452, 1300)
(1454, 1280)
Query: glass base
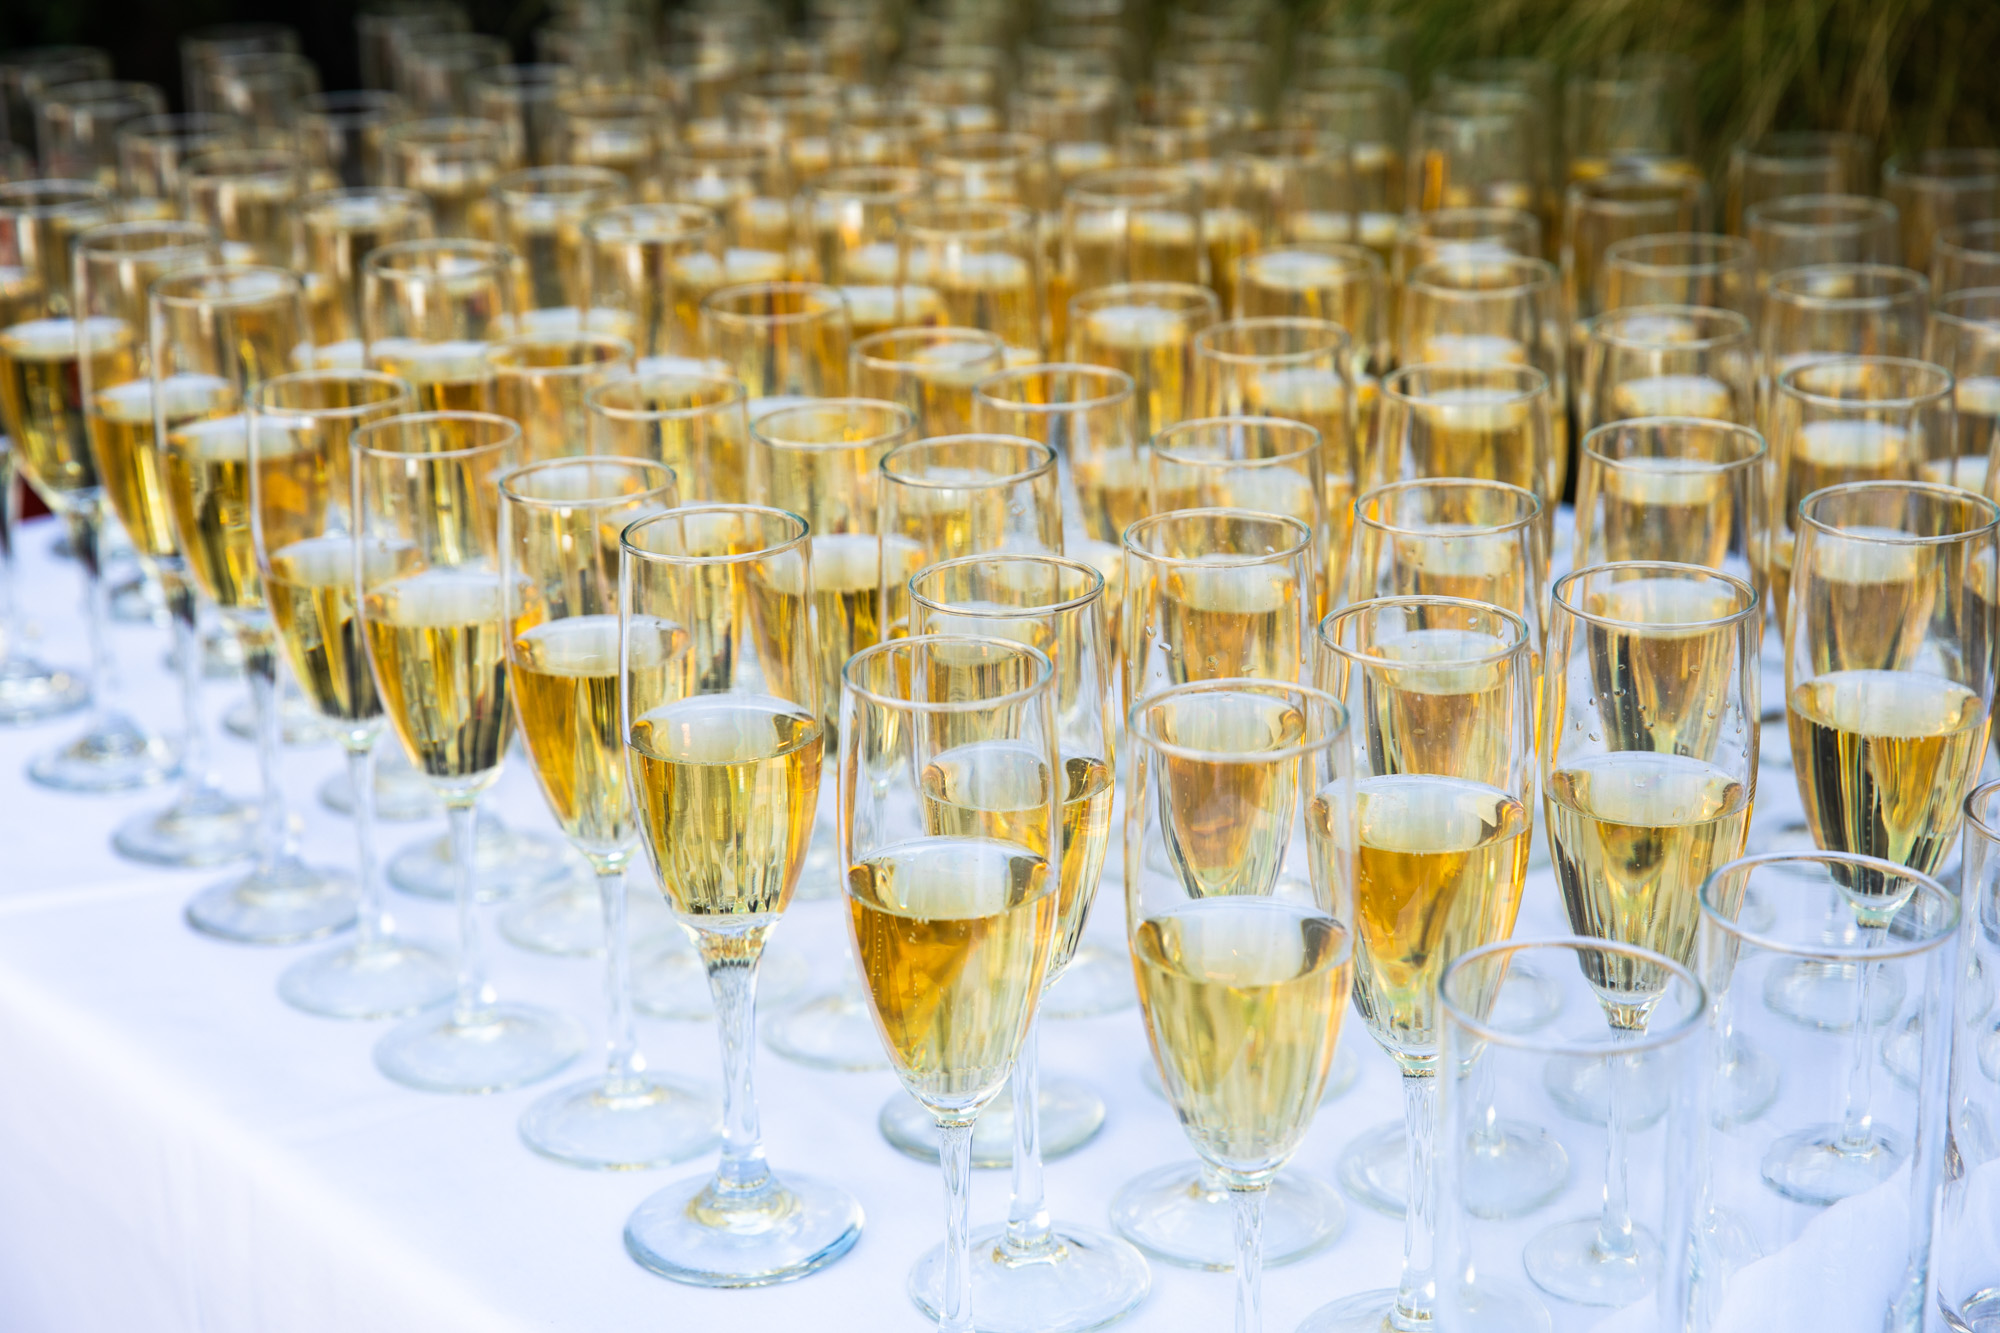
(1487, 1308)
(791, 1228)
(1567, 1262)
(1820, 995)
(1083, 1279)
(386, 979)
(210, 828)
(1097, 982)
(506, 864)
(652, 1120)
(1527, 1001)
(569, 922)
(503, 1046)
(32, 692)
(1811, 1166)
(1171, 1214)
(294, 903)
(834, 1031)
(299, 723)
(1581, 1090)
(668, 980)
(1979, 1314)
(1517, 1172)
(401, 793)
(118, 755)
(1346, 1068)
(1071, 1115)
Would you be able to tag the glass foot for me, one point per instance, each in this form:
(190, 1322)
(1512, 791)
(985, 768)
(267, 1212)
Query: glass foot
(1813, 1166)
(569, 922)
(294, 903)
(834, 1031)
(507, 864)
(386, 979)
(1512, 1173)
(1568, 1263)
(652, 1120)
(1173, 1214)
(1082, 1279)
(1527, 1000)
(668, 980)
(1581, 1089)
(1346, 1068)
(786, 1230)
(1097, 982)
(299, 723)
(401, 793)
(1488, 1307)
(117, 755)
(207, 829)
(31, 692)
(1071, 1115)
(1820, 995)
(501, 1046)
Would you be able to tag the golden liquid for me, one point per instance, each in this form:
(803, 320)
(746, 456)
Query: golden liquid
(1833, 453)
(999, 790)
(311, 592)
(564, 675)
(121, 435)
(1448, 561)
(847, 582)
(1438, 869)
(41, 398)
(1225, 824)
(1672, 396)
(1884, 759)
(1227, 234)
(1430, 717)
(1978, 398)
(551, 254)
(335, 238)
(698, 274)
(725, 787)
(1477, 349)
(953, 937)
(1666, 685)
(1227, 620)
(1117, 490)
(877, 309)
(1665, 509)
(447, 376)
(1153, 346)
(1313, 396)
(1301, 283)
(1131, 245)
(207, 473)
(1243, 1000)
(1869, 604)
(438, 642)
(982, 290)
(1480, 433)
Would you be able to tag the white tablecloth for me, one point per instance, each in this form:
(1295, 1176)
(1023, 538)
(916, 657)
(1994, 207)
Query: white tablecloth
(180, 1150)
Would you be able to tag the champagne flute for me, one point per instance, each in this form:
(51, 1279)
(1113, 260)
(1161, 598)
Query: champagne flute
(626, 133)
(42, 348)
(1620, 206)
(153, 152)
(931, 371)
(539, 214)
(30, 690)
(1829, 310)
(542, 379)
(246, 195)
(725, 759)
(1460, 537)
(849, 220)
(695, 424)
(1795, 162)
(114, 267)
(453, 162)
(1719, 272)
(1147, 330)
(954, 495)
(306, 553)
(1963, 338)
(1369, 110)
(1666, 361)
(1964, 257)
(341, 136)
(236, 327)
(1937, 188)
(1304, 370)
(984, 262)
(1240, 908)
(955, 905)
(785, 339)
(646, 267)
(1446, 232)
(1674, 488)
(1804, 230)
(77, 124)
(1444, 774)
(558, 522)
(1476, 420)
(1122, 226)
(435, 618)
(1649, 773)
(334, 233)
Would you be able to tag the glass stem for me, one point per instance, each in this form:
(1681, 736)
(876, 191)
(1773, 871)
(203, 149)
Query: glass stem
(10, 525)
(1857, 1121)
(182, 610)
(955, 1156)
(1614, 1227)
(1209, 1181)
(732, 981)
(371, 924)
(462, 815)
(86, 534)
(1027, 1233)
(260, 668)
(1416, 1293)
(623, 1066)
(1246, 1207)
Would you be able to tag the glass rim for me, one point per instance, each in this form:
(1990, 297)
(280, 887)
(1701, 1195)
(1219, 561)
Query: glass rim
(1989, 829)
(359, 441)
(1532, 274)
(1419, 224)
(1176, 298)
(437, 131)
(1043, 684)
(699, 221)
(171, 126)
(1301, 543)
(1101, 188)
(996, 611)
(1278, 425)
(1731, 429)
(1583, 195)
(951, 151)
(879, 407)
(867, 349)
(1003, 218)
(1830, 139)
(399, 390)
(1122, 386)
(734, 394)
(584, 180)
(525, 74)
(1532, 514)
(1752, 604)
(194, 236)
(494, 352)
(1362, 263)
(1514, 1039)
(283, 284)
(1956, 238)
(1335, 734)
(353, 105)
(24, 197)
(1727, 326)
(1878, 536)
(1904, 283)
(1915, 169)
(91, 92)
(242, 160)
(1889, 951)
(1789, 386)
(600, 106)
(1858, 211)
(890, 182)
(1034, 448)
(1737, 248)
(1960, 323)
(834, 302)
(798, 541)
(385, 262)
(1327, 632)
(336, 194)
(1340, 345)
(1532, 382)
(507, 479)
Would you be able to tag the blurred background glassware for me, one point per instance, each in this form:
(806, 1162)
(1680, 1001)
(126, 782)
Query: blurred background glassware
(694, 423)
(1635, 110)
(1443, 232)
(1837, 310)
(1963, 1263)
(629, 133)
(1128, 225)
(435, 69)
(983, 263)
(153, 152)
(267, 90)
(1963, 338)
(1296, 369)
(1601, 210)
(383, 34)
(848, 222)
(931, 371)
(453, 162)
(1799, 230)
(77, 124)
(1369, 110)
(1697, 269)
(344, 136)
(1965, 256)
(539, 214)
(782, 339)
(1666, 361)
(204, 48)
(542, 381)
(646, 268)
(30, 690)
(246, 195)
(27, 71)
(429, 310)
(1940, 188)
(1490, 420)
(1795, 162)
(522, 99)
(1338, 282)
(334, 232)
(947, 496)
(1462, 159)
(1147, 330)
(1672, 488)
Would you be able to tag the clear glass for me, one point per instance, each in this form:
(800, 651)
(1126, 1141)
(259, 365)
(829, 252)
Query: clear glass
(646, 268)
(1666, 488)
(1482, 541)
(382, 37)
(30, 690)
(1483, 421)
(1793, 232)
(1666, 361)
(77, 124)
(543, 381)
(26, 71)
(267, 89)
(1369, 109)
(429, 311)
(1448, 232)
(1829, 310)
(758, 680)
(434, 69)
(540, 214)
(563, 670)
(205, 47)
(1963, 338)
(1965, 1264)
(747, 182)
(782, 339)
(453, 162)
(306, 562)
(1472, 159)
(1779, 166)
(1600, 211)
(334, 233)
(983, 262)
(1719, 272)
(1124, 227)
(930, 371)
(246, 195)
(1965, 256)
(1147, 330)
(849, 216)
(153, 151)
(1338, 283)
(433, 612)
(343, 137)
(1279, 187)
(955, 495)
(990, 167)
(1939, 188)
(1240, 910)
(628, 133)
(695, 424)
(522, 99)
(1290, 367)
(1636, 108)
